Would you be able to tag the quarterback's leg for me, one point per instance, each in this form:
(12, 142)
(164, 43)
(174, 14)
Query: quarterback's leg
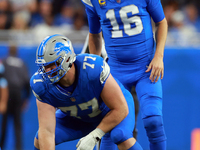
(150, 97)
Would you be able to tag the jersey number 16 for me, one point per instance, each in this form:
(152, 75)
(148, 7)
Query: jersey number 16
(127, 21)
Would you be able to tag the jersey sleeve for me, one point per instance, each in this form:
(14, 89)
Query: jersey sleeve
(37, 86)
(100, 73)
(93, 19)
(155, 9)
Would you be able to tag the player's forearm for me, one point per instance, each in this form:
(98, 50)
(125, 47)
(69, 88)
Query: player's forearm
(161, 36)
(112, 119)
(46, 140)
(95, 43)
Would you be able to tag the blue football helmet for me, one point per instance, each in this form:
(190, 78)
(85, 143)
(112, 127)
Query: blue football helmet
(55, 49)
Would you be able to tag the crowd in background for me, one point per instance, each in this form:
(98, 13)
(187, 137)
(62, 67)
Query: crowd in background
(26, 14)
(45, 16)
(183, 21)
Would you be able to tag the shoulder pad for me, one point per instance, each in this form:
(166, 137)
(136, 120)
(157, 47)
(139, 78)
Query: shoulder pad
(105, 72)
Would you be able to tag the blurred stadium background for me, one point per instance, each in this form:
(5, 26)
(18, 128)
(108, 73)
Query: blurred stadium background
(27, 22)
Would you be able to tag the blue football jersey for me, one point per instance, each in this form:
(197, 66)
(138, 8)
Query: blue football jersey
(84, 102)
(126, 26)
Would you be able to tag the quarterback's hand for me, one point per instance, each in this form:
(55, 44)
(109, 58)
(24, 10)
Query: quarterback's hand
(88, 142)
(157, 69)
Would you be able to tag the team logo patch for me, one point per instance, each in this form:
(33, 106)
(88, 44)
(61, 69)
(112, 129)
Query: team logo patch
(102, 2)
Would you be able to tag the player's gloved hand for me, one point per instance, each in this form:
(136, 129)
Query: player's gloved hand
(88, 142)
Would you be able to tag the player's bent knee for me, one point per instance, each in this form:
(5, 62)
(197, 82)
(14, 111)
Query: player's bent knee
(36, 143)
(119, 136)
(154, 128)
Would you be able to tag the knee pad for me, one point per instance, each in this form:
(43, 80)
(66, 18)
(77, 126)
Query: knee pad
(154, 128)
(118, 135)
(151, 106)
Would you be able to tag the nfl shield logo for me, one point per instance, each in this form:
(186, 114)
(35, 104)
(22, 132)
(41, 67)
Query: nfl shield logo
(73, 99)
(118, 1)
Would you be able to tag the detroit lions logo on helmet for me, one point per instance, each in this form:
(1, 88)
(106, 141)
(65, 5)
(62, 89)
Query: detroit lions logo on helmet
(60, 47)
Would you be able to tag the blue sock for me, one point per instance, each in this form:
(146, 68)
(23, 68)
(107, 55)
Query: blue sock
(159, 145)
(35, 148)
(136, 146)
